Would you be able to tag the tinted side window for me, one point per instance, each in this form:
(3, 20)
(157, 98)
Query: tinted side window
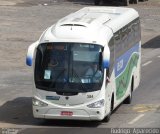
(127, 37)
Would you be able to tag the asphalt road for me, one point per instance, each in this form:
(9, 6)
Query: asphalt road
(22, 22)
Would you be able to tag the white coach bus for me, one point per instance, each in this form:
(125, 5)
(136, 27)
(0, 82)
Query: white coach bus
(86, 64)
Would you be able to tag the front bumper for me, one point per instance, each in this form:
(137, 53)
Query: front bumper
(78, 114)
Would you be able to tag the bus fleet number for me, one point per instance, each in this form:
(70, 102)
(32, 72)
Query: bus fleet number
(89, 96)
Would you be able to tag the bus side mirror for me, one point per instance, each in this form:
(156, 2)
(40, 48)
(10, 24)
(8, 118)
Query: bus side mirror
(30, 53)
(106, 57)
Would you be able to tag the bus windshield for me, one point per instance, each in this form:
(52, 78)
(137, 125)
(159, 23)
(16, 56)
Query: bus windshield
(68, 67)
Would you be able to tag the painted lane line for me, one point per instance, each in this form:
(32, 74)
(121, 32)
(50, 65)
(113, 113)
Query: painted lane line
(136, 119)
(145, 64)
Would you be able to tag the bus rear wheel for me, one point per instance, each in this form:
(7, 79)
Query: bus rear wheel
(128, 100)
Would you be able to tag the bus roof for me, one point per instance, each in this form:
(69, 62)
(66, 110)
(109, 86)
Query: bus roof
(91, 23)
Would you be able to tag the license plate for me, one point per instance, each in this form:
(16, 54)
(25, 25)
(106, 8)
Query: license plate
(66, 113)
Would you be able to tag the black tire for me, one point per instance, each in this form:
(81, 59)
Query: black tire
(97, 2)
(107, 118)
(126, 2)
(128, 100)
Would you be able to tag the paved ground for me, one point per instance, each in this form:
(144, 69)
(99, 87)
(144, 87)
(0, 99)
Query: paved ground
(22, 22)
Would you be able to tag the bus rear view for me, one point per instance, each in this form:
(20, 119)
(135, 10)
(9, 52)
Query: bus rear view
(73, 73)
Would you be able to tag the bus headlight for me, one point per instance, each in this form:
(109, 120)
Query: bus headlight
(39, 103)
(97, 104)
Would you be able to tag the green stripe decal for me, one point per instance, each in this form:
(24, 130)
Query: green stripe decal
(122, 81)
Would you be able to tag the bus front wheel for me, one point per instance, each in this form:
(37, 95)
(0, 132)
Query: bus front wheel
(107, 118)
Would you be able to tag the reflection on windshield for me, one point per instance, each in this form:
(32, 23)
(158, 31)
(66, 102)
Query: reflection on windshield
(68, 67)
